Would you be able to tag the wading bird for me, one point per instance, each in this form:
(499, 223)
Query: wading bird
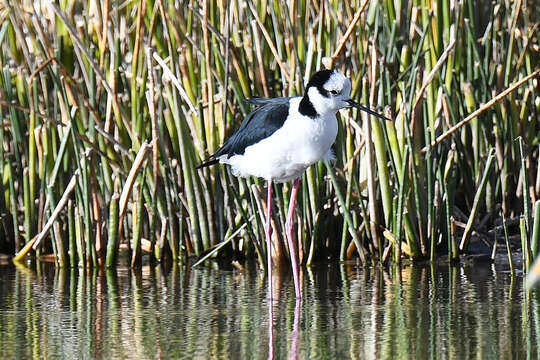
(280, 139)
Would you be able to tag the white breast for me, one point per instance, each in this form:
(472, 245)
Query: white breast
(288, 152)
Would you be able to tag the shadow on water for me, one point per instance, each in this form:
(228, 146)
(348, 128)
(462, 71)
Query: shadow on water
(417, 312)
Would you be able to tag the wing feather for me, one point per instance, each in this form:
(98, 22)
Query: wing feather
(258, 125)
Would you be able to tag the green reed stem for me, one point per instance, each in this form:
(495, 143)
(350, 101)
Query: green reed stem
(508, 250)
(346, 215)
(477, 197)
(72, 235)
(112, 239)
(525, 252)
(535, 237)
(137, 216)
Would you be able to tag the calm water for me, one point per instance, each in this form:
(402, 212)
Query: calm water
(462, 312)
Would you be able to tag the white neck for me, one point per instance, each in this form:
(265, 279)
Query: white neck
(323, 105)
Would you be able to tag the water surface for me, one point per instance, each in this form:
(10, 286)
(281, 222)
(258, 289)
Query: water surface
(419, 312)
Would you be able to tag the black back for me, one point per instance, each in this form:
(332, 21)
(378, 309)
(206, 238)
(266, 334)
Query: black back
(258, 125)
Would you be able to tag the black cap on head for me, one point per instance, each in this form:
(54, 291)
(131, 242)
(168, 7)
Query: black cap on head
(319, 78)
(317, 81)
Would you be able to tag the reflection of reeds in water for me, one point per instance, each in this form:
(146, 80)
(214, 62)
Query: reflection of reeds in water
(106, 107)
(417, 312)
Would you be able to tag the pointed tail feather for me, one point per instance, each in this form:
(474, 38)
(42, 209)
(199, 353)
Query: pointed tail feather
(207, 163)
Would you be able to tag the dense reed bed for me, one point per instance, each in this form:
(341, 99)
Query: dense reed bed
(107, 107)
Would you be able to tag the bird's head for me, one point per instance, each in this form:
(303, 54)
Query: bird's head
(328, 91)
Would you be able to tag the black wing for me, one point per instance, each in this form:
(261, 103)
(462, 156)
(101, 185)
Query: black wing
(258, 125)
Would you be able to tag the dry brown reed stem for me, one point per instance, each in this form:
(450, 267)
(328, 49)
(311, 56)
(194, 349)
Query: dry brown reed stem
(162, 235)
(481, 109)
(42, 66)
(126, 191)
(150, 98)
(373, 221)
(388, 235)
(36, 241)
(103, 38)
(96, 212)
(137, 44)
(170, 75)
(260, 60)
(47, 46)
(15, 106)
(430, 77)
(348, 33)
(526, 45)
(92, 63)
(19, 33)
(209, 82)
(271, 45)
(105, 134)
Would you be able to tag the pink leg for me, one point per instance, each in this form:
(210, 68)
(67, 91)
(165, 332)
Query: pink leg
(289, 225)
(269, 238)
(270, 330)
(293, 353)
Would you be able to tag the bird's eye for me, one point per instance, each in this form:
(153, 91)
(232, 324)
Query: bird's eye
(334, 92)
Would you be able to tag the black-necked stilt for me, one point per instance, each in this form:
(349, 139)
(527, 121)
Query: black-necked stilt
(282, 138)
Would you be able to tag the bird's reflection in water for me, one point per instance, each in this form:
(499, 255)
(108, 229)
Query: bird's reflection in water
(346, 311)
(282, 289)
(270, 330)
(293, 353)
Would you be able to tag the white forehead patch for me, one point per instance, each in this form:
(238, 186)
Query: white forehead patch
(336, 81)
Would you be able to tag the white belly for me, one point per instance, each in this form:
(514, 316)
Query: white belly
(287, 153)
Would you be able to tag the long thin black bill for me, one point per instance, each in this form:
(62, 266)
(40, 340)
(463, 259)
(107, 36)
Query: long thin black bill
(366, 109)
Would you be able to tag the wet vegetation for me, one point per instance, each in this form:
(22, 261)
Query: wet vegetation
(106, 107)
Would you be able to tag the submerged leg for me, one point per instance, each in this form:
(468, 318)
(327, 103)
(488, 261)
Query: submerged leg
(289, 225)
(269, 237)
